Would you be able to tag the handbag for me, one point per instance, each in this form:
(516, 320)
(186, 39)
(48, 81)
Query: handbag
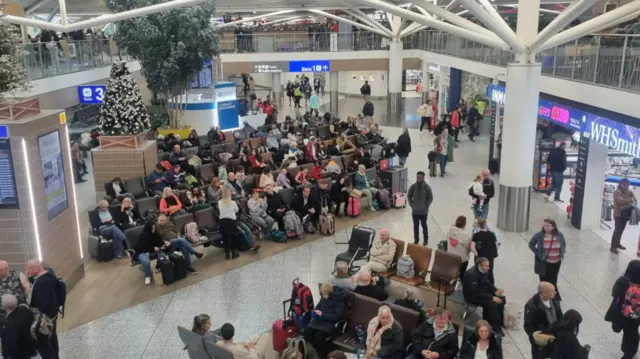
(540, 266)
(356, 193)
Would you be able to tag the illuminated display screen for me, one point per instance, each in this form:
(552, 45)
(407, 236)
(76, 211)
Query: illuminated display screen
(8, 192)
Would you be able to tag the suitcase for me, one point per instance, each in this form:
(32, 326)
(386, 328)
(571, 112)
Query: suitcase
(398, 177)
(283, 329)
(179, 265)
(327, 224)
(353, 206)
(101, 249)
(607, 211)
(383, 199)
(433, 169)
(399, 200)
(494, 166)
(167, 268)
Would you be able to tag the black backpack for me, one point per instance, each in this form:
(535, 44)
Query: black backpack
(61, 295)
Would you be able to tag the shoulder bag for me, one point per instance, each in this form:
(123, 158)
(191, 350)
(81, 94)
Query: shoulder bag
(540, 266)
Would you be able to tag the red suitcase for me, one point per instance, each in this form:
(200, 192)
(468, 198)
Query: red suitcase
(283, 329)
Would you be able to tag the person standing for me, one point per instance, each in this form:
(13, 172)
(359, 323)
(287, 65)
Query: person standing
(622, 197)
(14, 283)
(624, 312)
(420, 198)
(17, 342)
(456, 122)
(541, 313)
(485, 244)
(460, 244)
(367, 109)
(289, 90)
(557, 162)
(365, 90)
(489, 191)
(44, 297)
(426, 113)
(444, 145)
(403, 147)
(567, 345)
(473, 121)
(548, 245)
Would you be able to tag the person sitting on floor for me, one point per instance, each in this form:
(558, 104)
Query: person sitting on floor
(435, 338)
(105, 224)
(257, 205)
(328, 312)
(341, 278)
(157, 180)
(117, 190)
(170, 204)
(370, 286)
(385, 336)
(127, 216)
(412, 302)
(266, 178)
(478, 290)
(381, 255)
(202, 327)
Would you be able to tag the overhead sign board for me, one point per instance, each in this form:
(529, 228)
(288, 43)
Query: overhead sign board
(281, 66)
(93, 94)
(310, 66)
(225, 91)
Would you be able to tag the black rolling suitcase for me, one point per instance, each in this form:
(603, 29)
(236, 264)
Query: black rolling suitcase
(166, 267)
(494, 166)
(179, 264)
(433, 167)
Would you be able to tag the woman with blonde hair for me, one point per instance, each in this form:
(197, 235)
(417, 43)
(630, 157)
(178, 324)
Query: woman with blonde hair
(341, 278)
(170, 204)
(228, 224)
(385, 337)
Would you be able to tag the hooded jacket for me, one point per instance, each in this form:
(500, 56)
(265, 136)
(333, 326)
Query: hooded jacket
(567, 345)
(459, 243)
(424, 338)
(420, 197)
(332, 309)
(468, 350)
(403, 147)
(618, 292)
(148, 240)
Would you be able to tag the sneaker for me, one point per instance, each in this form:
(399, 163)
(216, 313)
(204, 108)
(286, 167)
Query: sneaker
(147, 280)
(200, 255)
(255, 248)
(620, 246)
(558, 200)
(192, 270)
(372, 209)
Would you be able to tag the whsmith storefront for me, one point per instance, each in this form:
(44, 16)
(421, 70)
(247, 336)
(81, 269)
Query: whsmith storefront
(602, 148)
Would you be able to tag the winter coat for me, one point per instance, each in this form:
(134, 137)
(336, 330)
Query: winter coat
(424, 338)
(167, 231)
(403, 146)
(332, 309)
(535, 317)
(165, 206)
(621, 199)
(391, 341)
(468, 350)
(382, 252)
(459, 243)
(476, 287)
(536, 245)
(148, 240)
(557, 160)
(375, 291)
(367, 109)
(567, 346)
(360, 181)
(257, 207)
(420, 198)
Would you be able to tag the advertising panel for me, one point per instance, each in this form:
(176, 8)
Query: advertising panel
(55, 190)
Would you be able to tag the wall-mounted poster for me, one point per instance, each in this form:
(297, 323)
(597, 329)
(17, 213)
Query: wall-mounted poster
(55, 190)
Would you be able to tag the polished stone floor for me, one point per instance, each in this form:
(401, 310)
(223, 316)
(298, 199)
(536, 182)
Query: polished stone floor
(251, 297)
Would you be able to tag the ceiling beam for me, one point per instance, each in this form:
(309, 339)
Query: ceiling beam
(347, 21)
(500, 28)
(35, 6)
(253, 18)
(561, 21)
(360, 15)
(455, 19)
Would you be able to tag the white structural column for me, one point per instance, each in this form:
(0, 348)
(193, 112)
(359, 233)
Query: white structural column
(333, 93)
(394, 98)
(519, 127)
(276, 88)
(426, 84)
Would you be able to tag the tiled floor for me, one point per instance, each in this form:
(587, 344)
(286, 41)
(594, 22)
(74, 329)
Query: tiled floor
(251, 296)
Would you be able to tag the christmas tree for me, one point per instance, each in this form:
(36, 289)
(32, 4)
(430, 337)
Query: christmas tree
(123, 111)
(13, 75)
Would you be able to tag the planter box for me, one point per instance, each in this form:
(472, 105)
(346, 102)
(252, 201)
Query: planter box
(19, 108)
(123, 142)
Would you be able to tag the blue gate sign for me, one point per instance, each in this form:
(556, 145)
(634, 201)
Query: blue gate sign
(92, 94)
(310, 66)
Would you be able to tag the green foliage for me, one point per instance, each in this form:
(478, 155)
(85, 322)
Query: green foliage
(171, 46)
(13, 75)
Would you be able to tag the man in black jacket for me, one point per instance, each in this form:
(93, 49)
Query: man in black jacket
(435, 338)
(370, 286)
(478, 290)
(367, 109)
(16, 333)
(489, 190)
(541, 312)
(44, 297)
(365, 90)
(276, 207)
(307, 203)
(557, 161)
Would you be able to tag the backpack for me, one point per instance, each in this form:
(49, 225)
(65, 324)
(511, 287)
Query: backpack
(278, 236)
(42, 326)
(301, 298)
(292, 224)
(383, 199)
(405, 267)
(308, 225)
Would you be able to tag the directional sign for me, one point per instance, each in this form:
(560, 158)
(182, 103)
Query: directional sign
(92, 94)
(310, 66)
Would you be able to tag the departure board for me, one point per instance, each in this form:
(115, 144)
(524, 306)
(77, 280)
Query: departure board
(8, 192)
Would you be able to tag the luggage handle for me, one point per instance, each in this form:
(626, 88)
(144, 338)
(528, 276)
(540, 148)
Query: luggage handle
(284, 308)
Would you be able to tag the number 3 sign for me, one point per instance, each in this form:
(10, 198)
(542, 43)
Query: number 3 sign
(92, 94)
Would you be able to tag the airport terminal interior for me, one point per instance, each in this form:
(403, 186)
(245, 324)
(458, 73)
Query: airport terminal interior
(518, 83)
